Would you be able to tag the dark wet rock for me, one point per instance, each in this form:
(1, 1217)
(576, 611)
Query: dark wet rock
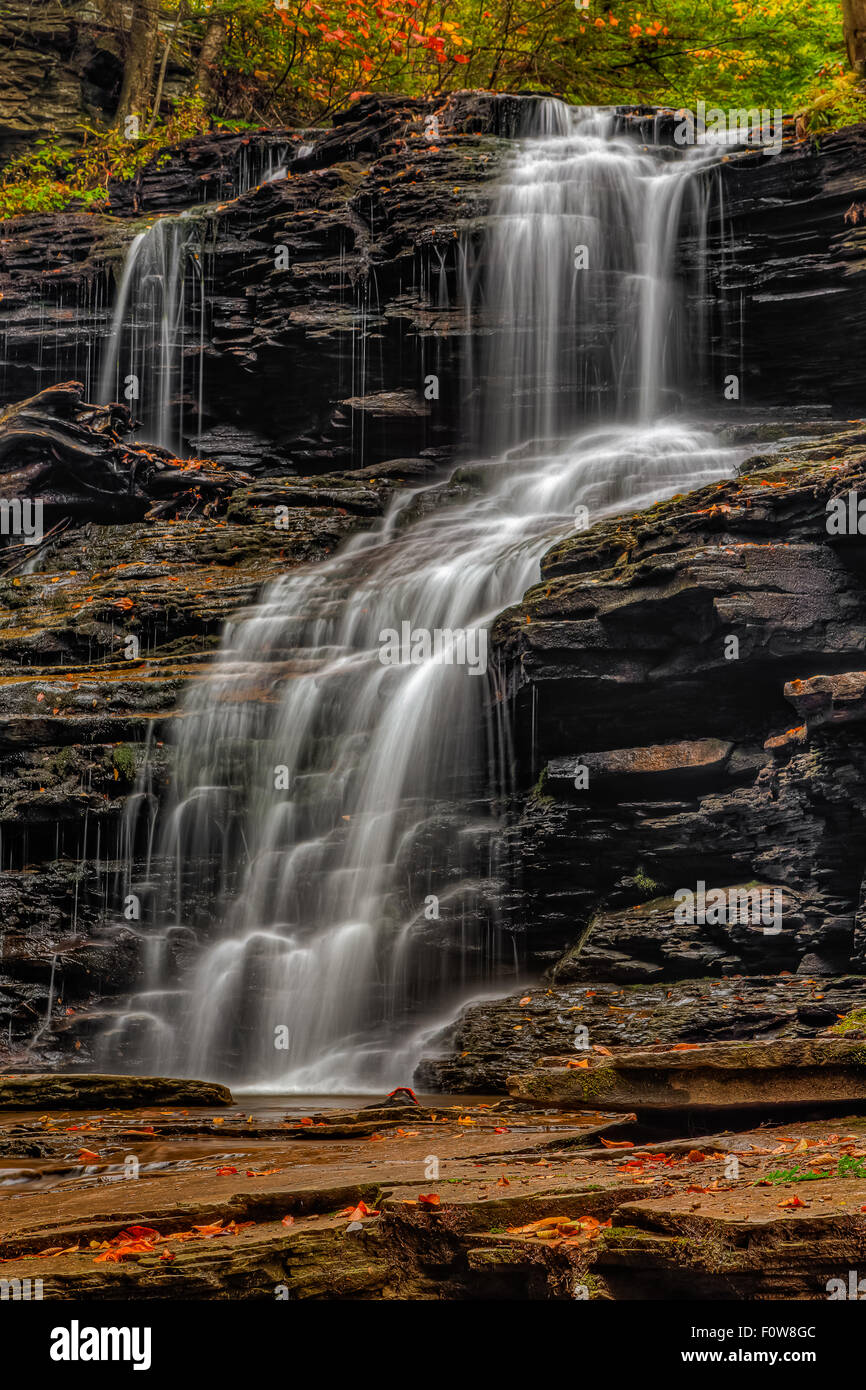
(380, 217)
(60, 65)
(72, 458)
(81, 1091)
(703, 780)
(499, 1037)
(709, 1076)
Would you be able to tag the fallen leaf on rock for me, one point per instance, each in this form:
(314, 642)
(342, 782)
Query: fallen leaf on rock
(428, 1199)
(616, 1144)
(357, 1212)
(792, 1202)
(287, 1221)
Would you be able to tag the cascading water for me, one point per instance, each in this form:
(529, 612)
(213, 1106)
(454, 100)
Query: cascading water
(324, 883)
(159, 315)
(144, 357)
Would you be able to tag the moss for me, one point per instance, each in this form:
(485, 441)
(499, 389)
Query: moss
(123, 759)
(65, 760)
(595, 1083)
(539, 793)
(646, 886)
(853, 1021)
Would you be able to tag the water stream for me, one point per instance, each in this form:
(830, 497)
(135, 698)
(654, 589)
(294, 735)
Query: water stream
(160, 312)
(321, 889)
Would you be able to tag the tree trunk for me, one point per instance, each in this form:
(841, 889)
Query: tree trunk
(160, 81)
(854, 21)
(209, 54)
(140, 58)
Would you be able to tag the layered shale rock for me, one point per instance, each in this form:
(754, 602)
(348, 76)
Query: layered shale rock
(104, 621)
(382, 221)
(826, 1071)
(60, 65)
(689, 680)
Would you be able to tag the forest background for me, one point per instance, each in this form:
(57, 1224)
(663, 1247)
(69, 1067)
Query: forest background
(188, 66)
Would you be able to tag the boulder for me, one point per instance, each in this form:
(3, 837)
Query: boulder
(83, 1091)
(709, 1076)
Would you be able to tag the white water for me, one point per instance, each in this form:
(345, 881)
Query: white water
(304, 907)
(159, 318)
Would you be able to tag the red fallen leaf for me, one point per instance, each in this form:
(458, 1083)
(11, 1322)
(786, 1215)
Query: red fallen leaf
(287, 1221)
(695, 1156)
(263, 1173)
(684, 1047)
(792, 1202)
(502, 1131)
(86, 1155)
(225, 1172)
(125, 603)
(429, 1199)
(167, 1257)
(110, 1257)
(503, 1181)
(137, 1233)
(357, 1212)
(306, 1120)
(612, 1143)
(403, 1091)
(149, 1130)
(208, 1231)
(697, 1189)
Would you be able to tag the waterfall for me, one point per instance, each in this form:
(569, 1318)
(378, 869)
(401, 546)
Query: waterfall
(323, 887)
(159, 317)
(145, 357)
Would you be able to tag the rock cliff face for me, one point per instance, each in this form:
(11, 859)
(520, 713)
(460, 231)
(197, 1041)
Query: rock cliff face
(379, 220)
(740, 772)
(60, 65)
(689, 683)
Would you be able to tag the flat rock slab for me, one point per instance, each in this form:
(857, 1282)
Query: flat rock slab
(44, 1091)
(702, 1076)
